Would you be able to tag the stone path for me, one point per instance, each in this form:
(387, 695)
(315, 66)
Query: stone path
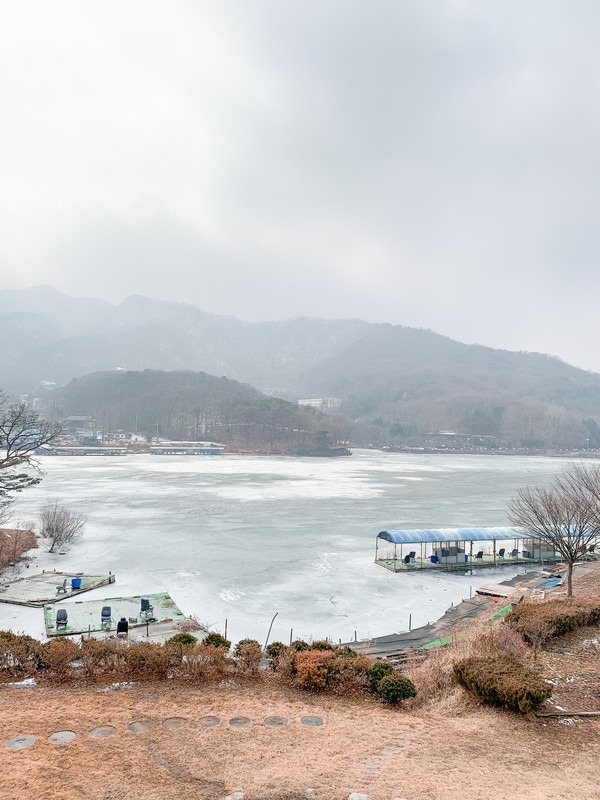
(23, 741)
(371, 765)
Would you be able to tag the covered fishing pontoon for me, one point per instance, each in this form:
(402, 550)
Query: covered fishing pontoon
(459, 548)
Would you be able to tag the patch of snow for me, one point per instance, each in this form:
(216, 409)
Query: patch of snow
(24, 682)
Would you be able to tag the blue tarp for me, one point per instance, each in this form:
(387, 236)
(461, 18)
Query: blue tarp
(452, 535)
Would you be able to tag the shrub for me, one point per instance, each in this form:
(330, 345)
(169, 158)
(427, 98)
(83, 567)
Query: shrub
(285, 664)
(503, 681)
(205, 663)
(100, 659)
(377, 671)
(312, 669)
(249, 654)
(147, 661)
(274, 651)
(331, 670)
(178, 647)
(216, 640)
(182, 640)
(433, 673)
(557, 616)
(20, 655)
(299, 645)
(348, 675)
(322, 644)
(394, 688)
(347, 652)
(58, 655)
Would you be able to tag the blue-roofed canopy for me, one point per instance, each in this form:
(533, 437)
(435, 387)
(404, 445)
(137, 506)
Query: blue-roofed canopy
(416, 536)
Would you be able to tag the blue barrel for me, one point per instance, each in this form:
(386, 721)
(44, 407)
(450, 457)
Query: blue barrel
(75, 583)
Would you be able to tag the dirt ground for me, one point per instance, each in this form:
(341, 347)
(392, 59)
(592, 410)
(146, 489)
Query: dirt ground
(362, 746)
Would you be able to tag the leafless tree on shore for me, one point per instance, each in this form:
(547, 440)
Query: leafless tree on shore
(59, 526)
(566, 516)
(22, 433)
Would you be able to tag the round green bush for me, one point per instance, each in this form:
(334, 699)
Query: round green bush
(299, 645)
(183, 639)
(346, 652)
(274, 650)
(378, 671)
(216, 640)
(394, 688)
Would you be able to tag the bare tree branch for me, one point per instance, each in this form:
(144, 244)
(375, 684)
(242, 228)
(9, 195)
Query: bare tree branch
(59, 526)
(566, 516)
(22, 433)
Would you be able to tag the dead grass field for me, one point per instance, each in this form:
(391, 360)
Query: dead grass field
(446, 752)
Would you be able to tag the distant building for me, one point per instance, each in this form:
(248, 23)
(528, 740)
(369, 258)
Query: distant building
(324, 404)
(76, 423)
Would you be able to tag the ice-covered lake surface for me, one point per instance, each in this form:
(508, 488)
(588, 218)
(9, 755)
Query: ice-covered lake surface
(243, 537)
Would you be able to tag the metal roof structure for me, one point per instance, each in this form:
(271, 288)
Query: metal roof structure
(416, 536)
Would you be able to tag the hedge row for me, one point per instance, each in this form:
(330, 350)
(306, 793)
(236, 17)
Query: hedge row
(557, 616)
(317, 667)
(503, 681)
(321, 666)
(63, 659)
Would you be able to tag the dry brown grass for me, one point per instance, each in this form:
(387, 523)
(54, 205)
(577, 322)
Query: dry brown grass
(362, 746)
(433, 678)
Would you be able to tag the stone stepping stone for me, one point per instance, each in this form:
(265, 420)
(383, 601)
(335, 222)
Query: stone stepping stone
(102, 731)
(312, 722)
(138, 727)
(20, 742)
(174, 723)
(62, 737)
(239, 722)
(275, 722)
(209, 721)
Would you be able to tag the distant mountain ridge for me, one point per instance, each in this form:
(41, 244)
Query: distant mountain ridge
(398, 384)
(85, 336)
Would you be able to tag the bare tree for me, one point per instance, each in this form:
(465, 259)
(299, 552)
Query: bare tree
(22, 433)
(566, 516)
(59, 526)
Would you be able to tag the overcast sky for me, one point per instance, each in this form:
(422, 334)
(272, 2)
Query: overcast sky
(430, 163)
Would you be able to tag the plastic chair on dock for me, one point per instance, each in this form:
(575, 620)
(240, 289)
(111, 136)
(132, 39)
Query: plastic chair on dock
(406, 559)
(479, 556)
(514, 553)
(122, 628)
(146, 609)
(62, 588)
(412, 555)
(105, 615)
(61, 618)
(501, 552)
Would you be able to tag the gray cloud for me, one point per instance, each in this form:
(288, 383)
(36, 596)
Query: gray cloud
(431, 164)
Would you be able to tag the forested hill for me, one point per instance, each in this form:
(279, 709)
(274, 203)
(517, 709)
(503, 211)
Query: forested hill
(188, 406)
(412, 382)
(398, 384)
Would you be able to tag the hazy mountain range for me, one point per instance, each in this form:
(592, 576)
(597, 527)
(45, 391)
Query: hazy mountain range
(396, 383)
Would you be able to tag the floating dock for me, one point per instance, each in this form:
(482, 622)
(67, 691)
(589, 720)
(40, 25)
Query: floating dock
(86, 617)
(50, 587)
(461, 549)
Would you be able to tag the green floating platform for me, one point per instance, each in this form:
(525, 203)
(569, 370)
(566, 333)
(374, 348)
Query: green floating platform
(85, 616)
